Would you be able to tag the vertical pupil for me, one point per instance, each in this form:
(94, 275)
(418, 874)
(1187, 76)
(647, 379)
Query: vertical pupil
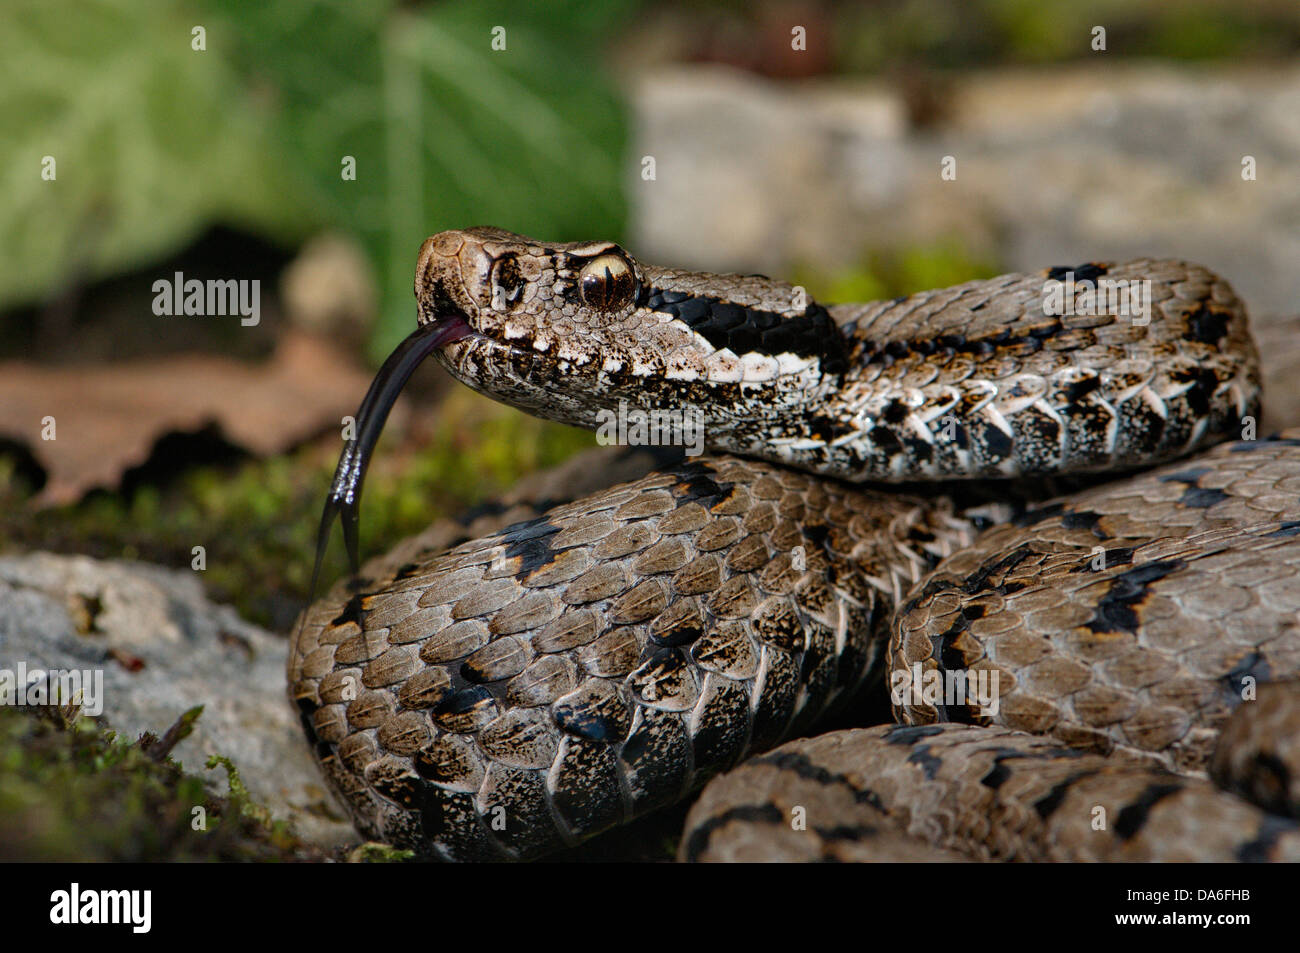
(597, 288)
(606, 283)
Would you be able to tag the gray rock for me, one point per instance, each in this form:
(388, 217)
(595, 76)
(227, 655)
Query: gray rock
(1054, 166)
(163, 648)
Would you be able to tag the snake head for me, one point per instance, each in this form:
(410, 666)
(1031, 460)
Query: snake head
(574, 331)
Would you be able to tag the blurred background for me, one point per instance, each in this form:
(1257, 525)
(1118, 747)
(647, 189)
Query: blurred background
(863, 149)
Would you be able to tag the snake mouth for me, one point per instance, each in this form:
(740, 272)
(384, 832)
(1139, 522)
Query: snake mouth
(344, 500)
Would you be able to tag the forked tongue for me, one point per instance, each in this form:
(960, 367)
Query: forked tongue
(344, 499)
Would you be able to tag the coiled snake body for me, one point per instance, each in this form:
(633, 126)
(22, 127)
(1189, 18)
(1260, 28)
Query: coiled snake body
(602, 657)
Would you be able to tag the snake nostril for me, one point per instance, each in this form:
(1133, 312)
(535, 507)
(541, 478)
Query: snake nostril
(440, 304)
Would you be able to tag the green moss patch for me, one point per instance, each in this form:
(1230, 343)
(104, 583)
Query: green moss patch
(71, 790)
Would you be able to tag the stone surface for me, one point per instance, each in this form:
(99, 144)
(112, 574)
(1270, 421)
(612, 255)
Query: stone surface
(1054, 166)
(164, 648)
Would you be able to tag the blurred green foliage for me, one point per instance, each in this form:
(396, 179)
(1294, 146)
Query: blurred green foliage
(446, 131)
(149, 140)
(966, 33)
(155, 140)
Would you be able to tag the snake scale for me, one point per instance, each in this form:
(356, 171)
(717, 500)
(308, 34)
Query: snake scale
(580, 659)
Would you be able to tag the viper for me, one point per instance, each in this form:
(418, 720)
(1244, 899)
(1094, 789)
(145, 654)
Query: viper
(870, 525)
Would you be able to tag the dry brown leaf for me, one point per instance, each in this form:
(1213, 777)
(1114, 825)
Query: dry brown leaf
(107, 419)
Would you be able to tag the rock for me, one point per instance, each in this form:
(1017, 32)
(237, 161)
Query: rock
(1053, 166)
(163, 648)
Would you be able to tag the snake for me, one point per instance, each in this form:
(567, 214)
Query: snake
(1027, 518)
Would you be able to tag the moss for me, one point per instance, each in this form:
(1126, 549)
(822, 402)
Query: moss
(257, 521)
(72, 790)
(372, 852)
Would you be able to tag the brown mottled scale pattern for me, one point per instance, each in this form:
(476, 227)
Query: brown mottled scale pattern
(539, 684)
(1133, 615)
(1258, 753)
(983, 793)
(1175, 656)
(1030, 393)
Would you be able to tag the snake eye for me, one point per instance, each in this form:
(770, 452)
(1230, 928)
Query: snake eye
(607, 282)
(507, 283)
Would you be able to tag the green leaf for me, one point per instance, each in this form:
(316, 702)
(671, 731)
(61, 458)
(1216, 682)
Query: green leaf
(446, 131)
(149, 141)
